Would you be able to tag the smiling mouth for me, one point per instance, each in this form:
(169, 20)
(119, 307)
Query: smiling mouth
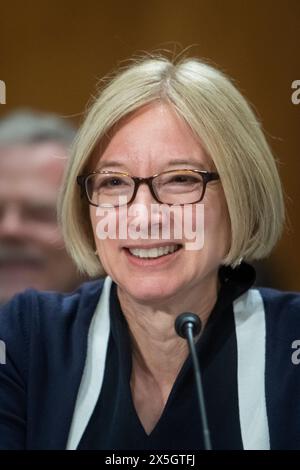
(152, 253)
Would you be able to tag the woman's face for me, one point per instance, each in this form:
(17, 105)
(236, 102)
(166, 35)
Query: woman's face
(153, 140)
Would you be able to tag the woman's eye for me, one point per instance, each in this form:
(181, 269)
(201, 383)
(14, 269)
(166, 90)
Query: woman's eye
(183, 179)
(111, 183)
(114, 182)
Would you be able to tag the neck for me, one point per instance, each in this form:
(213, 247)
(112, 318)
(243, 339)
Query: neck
(158, 352)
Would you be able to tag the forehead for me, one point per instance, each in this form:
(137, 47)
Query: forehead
(42, 163)
(153, 134)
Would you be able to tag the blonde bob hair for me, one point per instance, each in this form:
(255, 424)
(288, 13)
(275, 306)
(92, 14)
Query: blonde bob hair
(228, 131)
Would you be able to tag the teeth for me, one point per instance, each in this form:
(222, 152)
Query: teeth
(153, 252)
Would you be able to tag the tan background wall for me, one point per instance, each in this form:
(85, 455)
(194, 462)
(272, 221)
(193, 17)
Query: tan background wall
(52, 53)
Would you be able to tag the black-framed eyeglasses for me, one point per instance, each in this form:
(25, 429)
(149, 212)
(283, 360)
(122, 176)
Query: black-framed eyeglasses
(115, 189)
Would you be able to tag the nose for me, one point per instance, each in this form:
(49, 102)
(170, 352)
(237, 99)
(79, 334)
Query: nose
(144, 218)
(10, 222)
(143, 195)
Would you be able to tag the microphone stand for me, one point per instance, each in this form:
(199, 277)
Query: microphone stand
(188, 325)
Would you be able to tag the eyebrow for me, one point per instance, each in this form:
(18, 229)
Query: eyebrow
(173, 162)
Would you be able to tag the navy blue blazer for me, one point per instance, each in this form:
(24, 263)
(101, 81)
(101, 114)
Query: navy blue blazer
(45, 335)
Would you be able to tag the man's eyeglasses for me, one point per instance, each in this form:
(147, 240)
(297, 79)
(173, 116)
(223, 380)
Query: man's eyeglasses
(114, 189)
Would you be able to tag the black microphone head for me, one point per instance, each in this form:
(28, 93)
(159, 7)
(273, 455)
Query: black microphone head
(182, 322)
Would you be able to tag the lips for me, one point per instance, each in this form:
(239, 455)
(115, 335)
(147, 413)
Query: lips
(152, 256)
(154, 252)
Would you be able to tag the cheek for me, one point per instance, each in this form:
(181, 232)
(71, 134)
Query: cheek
(109, 225)
(219, 230)
(202, 220)
(105, 234)
(217, 227)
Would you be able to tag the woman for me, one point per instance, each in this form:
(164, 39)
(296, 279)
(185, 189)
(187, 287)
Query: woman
(164, 147)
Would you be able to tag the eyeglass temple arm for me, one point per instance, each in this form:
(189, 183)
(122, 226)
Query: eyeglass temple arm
(214, 176)
(80, 181)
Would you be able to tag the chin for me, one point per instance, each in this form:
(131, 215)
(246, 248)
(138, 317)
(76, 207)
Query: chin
(149, 290)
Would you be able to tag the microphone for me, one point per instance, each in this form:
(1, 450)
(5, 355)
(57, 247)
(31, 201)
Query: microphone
(188, 325)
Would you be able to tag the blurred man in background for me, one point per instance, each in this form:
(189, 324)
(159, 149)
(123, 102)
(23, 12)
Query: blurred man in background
(33, 153)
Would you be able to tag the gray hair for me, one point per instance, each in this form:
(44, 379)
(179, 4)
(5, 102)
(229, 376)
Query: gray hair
(32, 127)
